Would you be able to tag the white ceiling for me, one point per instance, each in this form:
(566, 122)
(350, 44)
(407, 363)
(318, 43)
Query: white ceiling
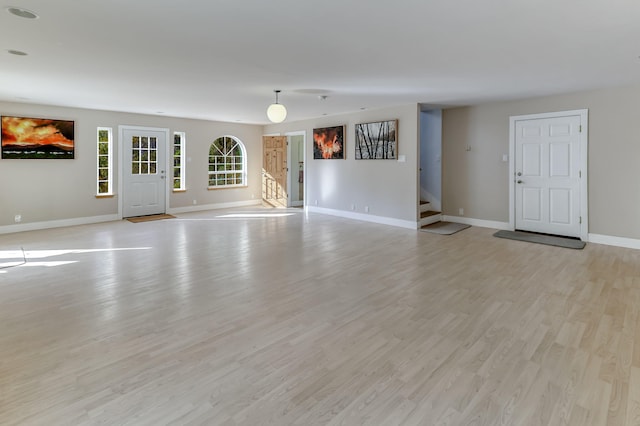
(221, 59)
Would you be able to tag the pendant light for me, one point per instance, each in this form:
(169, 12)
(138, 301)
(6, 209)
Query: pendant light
(276, 112)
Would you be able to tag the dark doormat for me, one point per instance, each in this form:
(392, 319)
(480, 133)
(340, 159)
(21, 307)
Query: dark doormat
(550, 240)
(444, 228)
(138, 219)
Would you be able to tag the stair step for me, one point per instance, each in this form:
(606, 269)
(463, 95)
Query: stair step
(429, 217)
(428, 213)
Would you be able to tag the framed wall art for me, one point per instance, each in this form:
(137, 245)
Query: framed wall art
(328, 143)
(377, 141)
(25, 137)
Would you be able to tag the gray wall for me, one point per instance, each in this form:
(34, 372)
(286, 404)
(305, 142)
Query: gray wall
(477, 180)
(46, 190)
(389, 188)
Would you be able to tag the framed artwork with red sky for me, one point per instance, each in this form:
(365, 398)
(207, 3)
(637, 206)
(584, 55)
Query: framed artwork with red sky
(24, 137)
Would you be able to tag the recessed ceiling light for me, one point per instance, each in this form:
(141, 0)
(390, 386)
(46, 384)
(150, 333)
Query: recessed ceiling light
(22, 13)
(17, 52)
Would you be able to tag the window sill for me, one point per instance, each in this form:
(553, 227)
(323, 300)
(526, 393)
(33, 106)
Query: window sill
(105, 195)
(213, 188)
(179, 190)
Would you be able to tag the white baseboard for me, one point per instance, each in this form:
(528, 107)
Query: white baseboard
(35, 226)
(614, 241)
(217, 206)
(592, 238)
(365, 217)
(478, 222)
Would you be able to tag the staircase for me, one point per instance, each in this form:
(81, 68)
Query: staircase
(428, 216)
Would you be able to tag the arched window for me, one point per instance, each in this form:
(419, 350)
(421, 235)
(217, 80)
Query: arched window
(227, 163)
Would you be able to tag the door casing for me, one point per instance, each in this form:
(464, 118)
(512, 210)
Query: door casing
(584, 142)
(121, 165)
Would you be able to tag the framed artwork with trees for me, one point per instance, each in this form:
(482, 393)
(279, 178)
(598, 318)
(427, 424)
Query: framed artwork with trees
(377, 141)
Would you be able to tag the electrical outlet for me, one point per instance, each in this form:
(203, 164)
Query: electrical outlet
(195, 202)
(353, 206)
(461, 211)
(17, 218)
(316, 202)
(366, 209)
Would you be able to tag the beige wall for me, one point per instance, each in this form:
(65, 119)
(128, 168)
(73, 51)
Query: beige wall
(389, 188)
(478, 180)
(47, 190)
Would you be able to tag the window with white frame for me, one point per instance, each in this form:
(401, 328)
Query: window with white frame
(227, 163)
(105, 161)
(179, 178)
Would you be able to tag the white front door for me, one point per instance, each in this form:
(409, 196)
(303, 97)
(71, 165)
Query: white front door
(548, 175)
(144, 165)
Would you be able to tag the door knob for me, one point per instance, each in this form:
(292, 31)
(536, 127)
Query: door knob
(519, 173)
(519, 181)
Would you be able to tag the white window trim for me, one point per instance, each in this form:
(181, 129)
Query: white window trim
(109, 162)
(244, 165)
(183, 157)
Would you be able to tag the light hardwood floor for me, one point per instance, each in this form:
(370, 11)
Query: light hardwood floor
(314, 320)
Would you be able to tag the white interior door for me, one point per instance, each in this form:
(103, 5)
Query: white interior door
(547, 175)
(144, 165)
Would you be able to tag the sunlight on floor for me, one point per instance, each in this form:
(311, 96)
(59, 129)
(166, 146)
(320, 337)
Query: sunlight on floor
(252, 215)
(15, 258)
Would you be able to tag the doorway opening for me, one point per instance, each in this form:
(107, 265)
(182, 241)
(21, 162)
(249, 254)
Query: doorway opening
(296, 172)
(430, 206)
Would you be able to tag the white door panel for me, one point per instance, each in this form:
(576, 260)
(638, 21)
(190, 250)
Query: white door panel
(547, 165)
(560, 160)
(560, 206)
(531, 160)
(144, 165)
(532, 204)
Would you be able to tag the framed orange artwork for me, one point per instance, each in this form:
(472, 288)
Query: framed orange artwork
(328, 143)
(35, 138)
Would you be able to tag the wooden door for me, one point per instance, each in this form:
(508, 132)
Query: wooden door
(548, 159)
(274, 171)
